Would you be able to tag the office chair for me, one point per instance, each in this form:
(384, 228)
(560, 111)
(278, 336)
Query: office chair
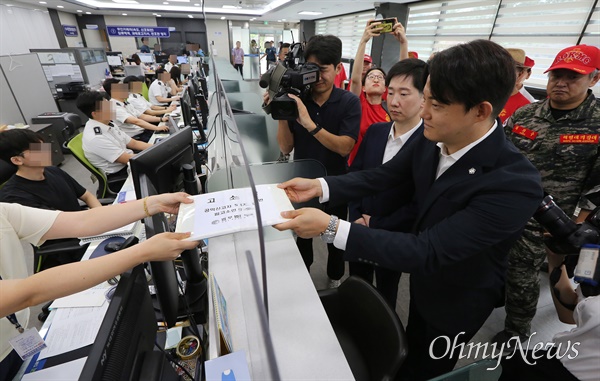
(368, 329)
(145, 90)
(75, 145)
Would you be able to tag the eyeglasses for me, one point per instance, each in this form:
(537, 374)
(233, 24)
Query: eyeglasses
(375, 76)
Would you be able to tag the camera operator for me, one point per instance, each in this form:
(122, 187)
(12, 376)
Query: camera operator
(326, 130)
(582, 365)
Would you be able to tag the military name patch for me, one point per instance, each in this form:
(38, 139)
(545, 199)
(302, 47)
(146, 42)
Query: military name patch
(579, 139)
(526, 132)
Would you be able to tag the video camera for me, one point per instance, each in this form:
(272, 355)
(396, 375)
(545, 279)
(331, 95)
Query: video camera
(580, 242)
(293, 76)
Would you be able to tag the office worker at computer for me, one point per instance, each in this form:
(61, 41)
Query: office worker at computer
(326, 130)
(161, 88)
(37, 183)
(474, 192)
(127, 117)
(136, 98)
(23, 226)
(104, 144)
(172, 62)
(176, 77)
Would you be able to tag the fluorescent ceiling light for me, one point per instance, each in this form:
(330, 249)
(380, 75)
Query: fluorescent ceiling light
(79, 10)
(88, 13)
(43, 2)
(123, 14)
(197, 5)
(180, 1)
(231, 7)
(125, 1)
(103, 4)
(190, 16)
(223, 17)
(59, 6)
(310, 13)
(158, 16)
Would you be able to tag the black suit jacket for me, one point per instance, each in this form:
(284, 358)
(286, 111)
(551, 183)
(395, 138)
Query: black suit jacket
(390, 209)
(467, 220)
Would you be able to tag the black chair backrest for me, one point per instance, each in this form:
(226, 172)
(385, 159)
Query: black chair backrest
(376, 328)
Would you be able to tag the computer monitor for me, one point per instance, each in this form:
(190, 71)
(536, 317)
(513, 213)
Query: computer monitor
(186, 108)
(162, 58)
(182, 59)
(162, 162)
(114, 60)
(147, 58)
(164, 275)
(172, 125)
(123, 348)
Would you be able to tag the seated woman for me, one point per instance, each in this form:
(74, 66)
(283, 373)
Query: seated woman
(23, 226)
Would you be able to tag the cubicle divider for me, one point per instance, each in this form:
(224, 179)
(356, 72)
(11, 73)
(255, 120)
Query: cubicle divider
(230, 255)
(297, 341)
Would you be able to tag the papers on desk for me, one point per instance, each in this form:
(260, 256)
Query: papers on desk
(73, 328)
(62, 372)
(230, 211)
(92, 297)
(124, 231)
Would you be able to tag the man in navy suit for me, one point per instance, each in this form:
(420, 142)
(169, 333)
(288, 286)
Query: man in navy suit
(473, 191)
(380, 144)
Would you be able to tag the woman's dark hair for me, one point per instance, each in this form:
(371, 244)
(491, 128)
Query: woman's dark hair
(413, 68)
(364, 78)
(472, 73)
(176, 74)
(136, 59)
(88, 102)
(327, 49)
(14, 142)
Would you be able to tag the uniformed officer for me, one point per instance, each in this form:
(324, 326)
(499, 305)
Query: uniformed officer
(559, 135)
(104, 144)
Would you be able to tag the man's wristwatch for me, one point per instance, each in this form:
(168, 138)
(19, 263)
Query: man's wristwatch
(329, 234)
(314, 131)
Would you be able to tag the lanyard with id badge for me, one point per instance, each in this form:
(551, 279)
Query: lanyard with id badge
(28, 342)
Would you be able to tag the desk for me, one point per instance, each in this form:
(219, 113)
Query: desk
(305, 344)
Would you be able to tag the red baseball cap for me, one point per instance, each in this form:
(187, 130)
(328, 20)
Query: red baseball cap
(582, 59)
(368, 59)
(528, 62)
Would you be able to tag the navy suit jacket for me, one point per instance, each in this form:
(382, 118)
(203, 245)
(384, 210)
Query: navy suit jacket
(467, 220)
(390, 209)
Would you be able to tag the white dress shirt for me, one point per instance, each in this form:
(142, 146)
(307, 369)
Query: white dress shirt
(446, 161)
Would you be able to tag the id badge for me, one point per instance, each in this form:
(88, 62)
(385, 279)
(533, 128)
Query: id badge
(28, 343)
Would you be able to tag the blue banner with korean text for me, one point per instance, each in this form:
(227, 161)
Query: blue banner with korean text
(138, 31)
(70, 30)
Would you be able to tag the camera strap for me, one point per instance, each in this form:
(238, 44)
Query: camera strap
(554, 278)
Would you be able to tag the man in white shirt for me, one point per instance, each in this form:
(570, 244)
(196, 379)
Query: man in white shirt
(140, 103)
(104, 144)
(127, 117)
(172, 62)
(473, 193)
(381, 143)
(158, 93)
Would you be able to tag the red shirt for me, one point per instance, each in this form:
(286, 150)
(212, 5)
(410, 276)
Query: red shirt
(370, 114)
(514, 102)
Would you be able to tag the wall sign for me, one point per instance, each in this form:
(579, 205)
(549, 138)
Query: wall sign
(137, 31)
(70, 30)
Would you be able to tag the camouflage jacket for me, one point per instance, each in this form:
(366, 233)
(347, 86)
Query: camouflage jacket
(565, 151)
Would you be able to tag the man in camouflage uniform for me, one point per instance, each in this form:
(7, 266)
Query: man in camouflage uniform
(559, 135)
